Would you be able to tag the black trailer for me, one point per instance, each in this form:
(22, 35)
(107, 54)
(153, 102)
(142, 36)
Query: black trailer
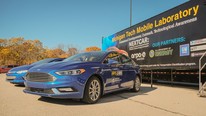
(167, 46)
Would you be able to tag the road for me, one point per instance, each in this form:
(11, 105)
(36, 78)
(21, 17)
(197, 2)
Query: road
(157, 101)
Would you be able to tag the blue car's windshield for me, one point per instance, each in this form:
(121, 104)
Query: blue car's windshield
(87, 57)
(43, 61)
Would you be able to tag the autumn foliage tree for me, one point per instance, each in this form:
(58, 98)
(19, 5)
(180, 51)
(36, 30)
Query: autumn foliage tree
(20, 51)
(92, 48)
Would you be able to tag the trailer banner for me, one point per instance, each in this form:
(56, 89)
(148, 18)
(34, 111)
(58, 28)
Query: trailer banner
(173, 39)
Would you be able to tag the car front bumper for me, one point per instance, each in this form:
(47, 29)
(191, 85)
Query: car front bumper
(15, 78)
(56, 94)
(52, 89)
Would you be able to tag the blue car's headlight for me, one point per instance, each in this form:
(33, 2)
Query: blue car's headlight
(71, 72)
(12, 71)
(22, 71)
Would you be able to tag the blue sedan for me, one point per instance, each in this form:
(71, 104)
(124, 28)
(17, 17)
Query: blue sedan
(85, 76)
(15, 75)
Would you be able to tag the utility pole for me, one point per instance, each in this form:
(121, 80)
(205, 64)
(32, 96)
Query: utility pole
(130, 13)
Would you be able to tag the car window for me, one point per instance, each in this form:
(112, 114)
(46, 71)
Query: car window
(10, 66)
(57, 60)
(126, 60)
(86, 57)
(5, 66)
(43, 61)
(112, 56)
(15, 65)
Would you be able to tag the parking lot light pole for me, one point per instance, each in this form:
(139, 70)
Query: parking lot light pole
(130, 13)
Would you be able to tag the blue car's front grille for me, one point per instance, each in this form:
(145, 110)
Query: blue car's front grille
(39, 77)
(49, 91)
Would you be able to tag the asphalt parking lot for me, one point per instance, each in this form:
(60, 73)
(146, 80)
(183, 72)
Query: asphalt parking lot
(157, 101)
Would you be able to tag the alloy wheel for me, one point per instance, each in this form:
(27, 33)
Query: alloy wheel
(94, 90)
(137, 83)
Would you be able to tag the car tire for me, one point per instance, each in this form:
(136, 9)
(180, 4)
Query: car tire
(137, 84)
(92, 91)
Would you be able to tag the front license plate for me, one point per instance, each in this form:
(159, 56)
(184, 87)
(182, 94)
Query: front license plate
(37, 90)
(10, 77)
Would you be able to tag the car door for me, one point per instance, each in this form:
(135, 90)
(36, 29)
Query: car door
(111, 72)
(129, 72)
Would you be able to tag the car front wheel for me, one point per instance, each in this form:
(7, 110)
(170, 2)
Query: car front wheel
(92, 90)
(137, 84)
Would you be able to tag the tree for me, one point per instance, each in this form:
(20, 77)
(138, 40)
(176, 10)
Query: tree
(92, 48)
(20, 51)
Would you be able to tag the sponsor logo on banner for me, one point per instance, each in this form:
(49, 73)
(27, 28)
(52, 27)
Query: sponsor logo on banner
(139, 56)
(184, 50)
(197, 42)
(198, 48)
(117, 73)
(161, 52)
(139, 43)
(197, 54)
(151, 53)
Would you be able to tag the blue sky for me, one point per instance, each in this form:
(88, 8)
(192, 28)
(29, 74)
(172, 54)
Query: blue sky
(78, 23)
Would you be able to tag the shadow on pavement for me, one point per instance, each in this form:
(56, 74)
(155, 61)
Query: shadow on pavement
(19, 85)
(61, 101)
(112, 97)
(126, 94)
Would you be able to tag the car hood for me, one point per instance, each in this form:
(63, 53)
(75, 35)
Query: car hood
(24, 67)
(58, 66)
